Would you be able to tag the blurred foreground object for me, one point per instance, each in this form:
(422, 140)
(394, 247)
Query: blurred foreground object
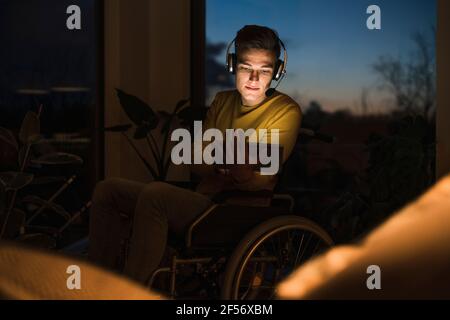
(33, 274)
(412, 249)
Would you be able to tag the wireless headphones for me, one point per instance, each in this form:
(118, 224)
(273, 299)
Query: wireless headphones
(280, 66)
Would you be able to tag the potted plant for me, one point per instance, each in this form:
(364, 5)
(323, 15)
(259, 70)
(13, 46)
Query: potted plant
(144, 124)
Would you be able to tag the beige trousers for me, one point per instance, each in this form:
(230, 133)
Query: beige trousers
(144, 214)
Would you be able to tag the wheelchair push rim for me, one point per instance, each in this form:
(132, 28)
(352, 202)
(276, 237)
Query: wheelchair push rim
(269, 253)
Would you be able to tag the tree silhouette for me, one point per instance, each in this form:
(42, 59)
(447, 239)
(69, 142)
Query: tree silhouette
(413, 81)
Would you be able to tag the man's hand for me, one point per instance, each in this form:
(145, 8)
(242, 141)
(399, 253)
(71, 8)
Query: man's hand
(214, 183)
(241, 173)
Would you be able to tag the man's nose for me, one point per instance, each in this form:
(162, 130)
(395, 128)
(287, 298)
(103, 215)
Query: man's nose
(254, 76)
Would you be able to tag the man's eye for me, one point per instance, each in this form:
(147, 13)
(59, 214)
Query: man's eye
(266, 72)
(245, 69)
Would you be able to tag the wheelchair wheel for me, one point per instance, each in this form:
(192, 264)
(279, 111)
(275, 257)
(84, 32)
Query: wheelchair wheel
(269, 253)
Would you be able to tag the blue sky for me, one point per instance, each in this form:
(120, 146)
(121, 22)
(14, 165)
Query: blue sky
(330, 48)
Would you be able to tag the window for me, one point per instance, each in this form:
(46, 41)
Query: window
(367, 88)
(43, 63)
(330, 48)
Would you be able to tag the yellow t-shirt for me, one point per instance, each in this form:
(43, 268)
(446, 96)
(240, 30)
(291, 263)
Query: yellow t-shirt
(276, 112)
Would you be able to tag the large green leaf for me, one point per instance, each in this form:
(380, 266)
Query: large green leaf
(137, 110)
(168, 118)
(30, 129)
(8, 137)
(180, 104)
(192, 113)
(15, 180)
(141, 132)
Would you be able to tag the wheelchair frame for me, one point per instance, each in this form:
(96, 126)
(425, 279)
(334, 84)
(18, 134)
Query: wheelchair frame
(202, 260)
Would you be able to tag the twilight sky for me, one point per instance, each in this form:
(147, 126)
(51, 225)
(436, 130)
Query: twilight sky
(330, 48)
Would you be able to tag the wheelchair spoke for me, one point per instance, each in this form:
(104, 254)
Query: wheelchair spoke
(280, 248)
(274, 252)
(298, 251)
(276, 248)
(249, 287)
(316, 247)
(306, 246)
(273, 257)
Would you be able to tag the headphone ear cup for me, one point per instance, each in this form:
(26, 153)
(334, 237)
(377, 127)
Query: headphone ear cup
(278, 70)
(231, 63)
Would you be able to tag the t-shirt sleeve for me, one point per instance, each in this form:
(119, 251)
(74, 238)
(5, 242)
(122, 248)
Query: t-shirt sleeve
(288, 123)
(211, 115)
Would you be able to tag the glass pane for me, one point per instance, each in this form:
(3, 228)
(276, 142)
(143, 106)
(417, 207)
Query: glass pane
(52, 71)
(364, 87)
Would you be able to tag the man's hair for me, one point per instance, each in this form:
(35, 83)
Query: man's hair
(257, 37)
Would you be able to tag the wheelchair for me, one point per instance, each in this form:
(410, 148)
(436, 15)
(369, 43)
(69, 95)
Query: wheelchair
(239, 251)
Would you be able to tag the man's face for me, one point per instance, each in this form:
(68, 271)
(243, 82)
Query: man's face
(254, 72)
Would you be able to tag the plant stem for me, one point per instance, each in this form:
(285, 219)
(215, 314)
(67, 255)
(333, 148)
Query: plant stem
(10, 208)
(165, 164)
(147, 165)
(155, 154)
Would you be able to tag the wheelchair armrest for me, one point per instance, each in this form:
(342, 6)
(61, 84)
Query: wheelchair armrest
(222, 225)
(233, 198)
(196, 222)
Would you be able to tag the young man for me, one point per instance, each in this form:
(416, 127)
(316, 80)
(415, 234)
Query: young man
(153, 209)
